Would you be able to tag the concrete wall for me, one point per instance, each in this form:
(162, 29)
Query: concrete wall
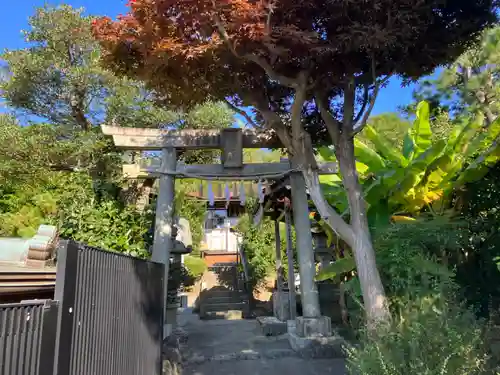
(221, 240)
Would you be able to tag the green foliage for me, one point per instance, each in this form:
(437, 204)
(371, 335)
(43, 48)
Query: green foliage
(412, 259)
(194, 211)
(336, 269)
(195, 266)
(66, 172)
(479, 273)
(68, 200)
(470, 84)
(60, 77)
(424, 173)
(259, 245)
(431, 331)
(391, 125)
(429, 337)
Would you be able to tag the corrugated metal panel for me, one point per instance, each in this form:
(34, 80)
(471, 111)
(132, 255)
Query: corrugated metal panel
(21, 337)
(117, 314)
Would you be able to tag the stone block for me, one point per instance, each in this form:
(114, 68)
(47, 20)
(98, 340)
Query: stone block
(313, 327)
(271, 326)
(281, 305)
(315, 346)
(171, 316)
(167, 330)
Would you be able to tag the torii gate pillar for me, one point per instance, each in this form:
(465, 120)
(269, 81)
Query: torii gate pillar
(312, 324)
(163, 243)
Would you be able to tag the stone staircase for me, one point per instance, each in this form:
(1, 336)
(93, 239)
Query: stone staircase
(222, 300)
(226, 304)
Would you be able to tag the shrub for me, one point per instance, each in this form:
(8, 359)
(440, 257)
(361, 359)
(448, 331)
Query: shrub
(428, 337)
(412, 259)
(195, 266)
(430, 333)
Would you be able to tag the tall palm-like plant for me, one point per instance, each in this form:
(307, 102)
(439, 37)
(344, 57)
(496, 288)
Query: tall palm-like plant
(424, 173)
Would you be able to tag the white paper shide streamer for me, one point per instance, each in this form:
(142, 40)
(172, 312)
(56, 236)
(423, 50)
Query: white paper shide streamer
(211, 199)
(242, 194)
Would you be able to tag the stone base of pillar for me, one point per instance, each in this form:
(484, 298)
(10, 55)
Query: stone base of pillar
(313, 327)
(314, 338)
(281, 305)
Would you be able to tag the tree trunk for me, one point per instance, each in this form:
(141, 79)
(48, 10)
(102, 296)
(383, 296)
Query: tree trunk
(374, 297)
(77, 105)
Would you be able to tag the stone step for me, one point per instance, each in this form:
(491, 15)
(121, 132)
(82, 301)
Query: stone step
(220, 300)
(215, 307)
(222, 292)
(226, 315)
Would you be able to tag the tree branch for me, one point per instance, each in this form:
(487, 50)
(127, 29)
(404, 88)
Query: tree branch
(242, 113)
(358, 127)
(286, 81)
(348, 108)
(327, 212)
(368, 112)
(366, 99)
(332, 125)
(298, 104)
(272, 119)
(268, 20)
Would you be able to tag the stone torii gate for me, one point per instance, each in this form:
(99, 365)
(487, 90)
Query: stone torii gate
(231, 141)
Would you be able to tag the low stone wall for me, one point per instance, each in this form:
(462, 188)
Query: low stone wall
(172, 348)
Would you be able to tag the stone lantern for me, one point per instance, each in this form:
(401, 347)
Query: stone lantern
(181, 245)
(322, 252)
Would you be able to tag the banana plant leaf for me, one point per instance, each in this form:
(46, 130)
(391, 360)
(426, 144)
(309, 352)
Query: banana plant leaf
(484, 139)
(335, 270)
(353, 287)
(327, 153)
(419, 137)
(415, 172)
(368, 157)
(480, 166)
(384, 147)
(379, 215)
(467, 134)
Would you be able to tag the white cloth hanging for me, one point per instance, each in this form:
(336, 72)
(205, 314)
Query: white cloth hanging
(227, 194)
(242, 194)
(211, 198)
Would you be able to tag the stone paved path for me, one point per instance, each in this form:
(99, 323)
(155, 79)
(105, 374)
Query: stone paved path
(233, 347)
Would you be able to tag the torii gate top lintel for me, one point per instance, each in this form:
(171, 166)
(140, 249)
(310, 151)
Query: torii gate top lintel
(231, 141)
(194, 139)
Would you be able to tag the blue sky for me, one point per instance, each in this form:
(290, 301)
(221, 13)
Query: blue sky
(15, 19)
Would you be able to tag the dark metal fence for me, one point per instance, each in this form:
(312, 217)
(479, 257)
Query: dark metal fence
(27, 337)
(106, 319)
(111, 319)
